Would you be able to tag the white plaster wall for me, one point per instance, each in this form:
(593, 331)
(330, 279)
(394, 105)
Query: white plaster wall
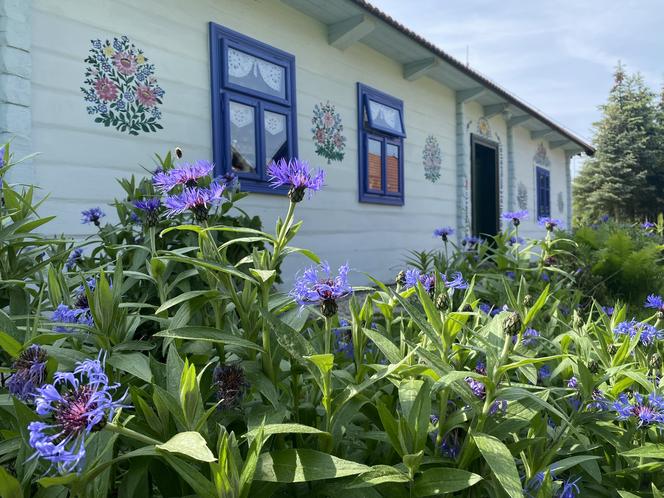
(524, 151)
(81, 159)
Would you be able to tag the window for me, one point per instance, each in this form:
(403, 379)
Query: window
(380, 137)
(543, 179)
(253, 107)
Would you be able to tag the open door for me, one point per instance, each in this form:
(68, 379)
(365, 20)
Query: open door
(485, 182)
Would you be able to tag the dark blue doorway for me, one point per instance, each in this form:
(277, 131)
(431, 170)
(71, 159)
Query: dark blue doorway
(485, 182)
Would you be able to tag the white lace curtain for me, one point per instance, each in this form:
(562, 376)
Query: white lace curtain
(388, 115)
(241, 64)
(243, 115)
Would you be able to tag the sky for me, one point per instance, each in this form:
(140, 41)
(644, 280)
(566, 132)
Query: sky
(558, 56)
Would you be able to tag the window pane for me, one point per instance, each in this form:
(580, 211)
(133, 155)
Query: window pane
(392, 168)
(276, 136)
(386, 117)
(243, 137)
(255, 73)
(374, 166)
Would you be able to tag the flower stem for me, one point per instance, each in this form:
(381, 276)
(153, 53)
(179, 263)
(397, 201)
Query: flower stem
(124, 431)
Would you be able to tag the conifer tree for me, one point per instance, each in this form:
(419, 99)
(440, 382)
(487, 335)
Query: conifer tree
(623, 177)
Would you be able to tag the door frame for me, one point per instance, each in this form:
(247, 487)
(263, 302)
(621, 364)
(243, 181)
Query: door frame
(485, 142)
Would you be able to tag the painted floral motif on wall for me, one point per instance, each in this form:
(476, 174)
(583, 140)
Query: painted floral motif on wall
(431, 159)
(327, 132)
(120, 87)
(540, 158)
(483, 127)
(522, 196)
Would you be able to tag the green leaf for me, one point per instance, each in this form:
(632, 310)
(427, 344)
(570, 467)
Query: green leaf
(186, 296)
(190, 444)
(135, 363)
(387, 347)
(11, 346)
(379, 474)
(304, 465)
(263, 275)
(324, 362)
(501, 462)
(209, 334)
(441, 480)
(648, 450)
(9, 486)
(270, 429)
(627, 494)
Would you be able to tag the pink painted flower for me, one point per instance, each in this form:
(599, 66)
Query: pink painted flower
(106, 89)
(146, 95)
(320, 136)
(328, 120)
(125, 62)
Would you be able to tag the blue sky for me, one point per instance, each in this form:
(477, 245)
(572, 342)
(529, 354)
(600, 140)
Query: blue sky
(558, 56)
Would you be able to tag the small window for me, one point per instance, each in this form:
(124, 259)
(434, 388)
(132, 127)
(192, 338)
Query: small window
(253, 106)
(381, 132)
(543, 179)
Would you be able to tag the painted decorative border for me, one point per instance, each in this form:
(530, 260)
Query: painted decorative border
(120, 87)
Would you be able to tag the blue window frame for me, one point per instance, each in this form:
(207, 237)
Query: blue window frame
(253, 107)
(543, 179)
(381, 132)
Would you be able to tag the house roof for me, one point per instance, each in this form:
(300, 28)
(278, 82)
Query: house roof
(351, 21)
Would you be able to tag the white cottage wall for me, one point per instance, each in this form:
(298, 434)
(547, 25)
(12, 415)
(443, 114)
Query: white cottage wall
(80, 159)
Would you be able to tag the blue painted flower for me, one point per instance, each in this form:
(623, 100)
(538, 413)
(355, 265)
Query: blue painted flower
(644, 411)
(120, 105)
(516, 217)
(29, 373)
(92, 215)
(655, 302)
(317, 286)
(187, 174)
(550, 223)
(96, 44)
(76, 404)
(65, 314)
(649, 334)
(195, 199)
(443, 233)
(117, 45)
(74, 258)
(296, 175)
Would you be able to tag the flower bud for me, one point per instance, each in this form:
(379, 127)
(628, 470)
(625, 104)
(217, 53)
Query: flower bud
(512, 324)
(655, 361)
(593, 366)
(528, 300)
(442, 302)
(401, 278)
(612, 349)
(178, 152)
(329, 307)
(296, 194)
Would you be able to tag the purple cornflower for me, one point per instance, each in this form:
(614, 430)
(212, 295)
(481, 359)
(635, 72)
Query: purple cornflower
(73, 258)
(456, 282)
(604, 218)
(645, 411)
(317, 286)
(150, 208)
(450, 446)
(186, 174)
(471, 241)
(544, 372)
(443, 232)
(545, 277)
(500, 405)
(65, 314)
(297, 176)
(344, 339)
(428, 280)
(599, 401)
(573, 383)
(569, 489)
(649, 334)
(476, 387)
(198, 200)
(654, 301)
(92, 215)
(550, 223)
(480, 367)
(29, 373)
(510, 274)
(516, 240)
(229, 180)
(530, 337)
(77, 404)
(608, 310)
(648, 225)
(516, 217)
